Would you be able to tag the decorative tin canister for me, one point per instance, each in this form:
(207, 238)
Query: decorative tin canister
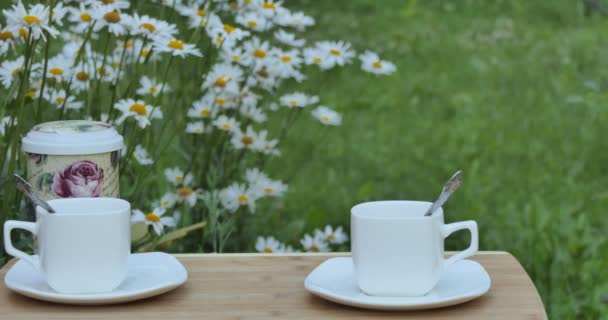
(73, 158)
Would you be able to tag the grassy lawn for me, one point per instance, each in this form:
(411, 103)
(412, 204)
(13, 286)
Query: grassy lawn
(511, 92)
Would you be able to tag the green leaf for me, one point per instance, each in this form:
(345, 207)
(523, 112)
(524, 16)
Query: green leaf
(173, 235)
(138, 231)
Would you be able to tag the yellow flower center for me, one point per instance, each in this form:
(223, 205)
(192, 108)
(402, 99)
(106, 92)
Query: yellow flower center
(252, 23)
(259, 53)
(127, 44)
(335, 52)
(286, 59)
(201, 12)
(176, 44)
(15, 71)
(226, 126)
(164, 203)
(317, 59)
(145, 52)
(268, 190)
(243, 199)
(377, 64)
(56, 71)
(5, 35)
(236, 57)
(138, 108)
(220, 82)
(228, 28)
(103, 71)
(82, 76)
(107, 1)
(59, 100)
(247, 140)
(219, 40)
(148, 26)
(152, 217)
(314, 248)
(153, 89)
(30, 94)
(115, 64)
(267, 250)
(85, 17)
(331, 237)
(31, 20)
(220, 101)
(23, 32)
(269, 5)
(179, 179)
(325, 119)
(184, 191)
(205, 112)
(293, 103)
(198, 130)
(112, 17)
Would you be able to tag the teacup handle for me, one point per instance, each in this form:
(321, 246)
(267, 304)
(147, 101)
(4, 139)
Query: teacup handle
(448, 229)
(8, 245)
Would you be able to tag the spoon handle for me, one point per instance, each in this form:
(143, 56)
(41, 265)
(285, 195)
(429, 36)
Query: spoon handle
(26, 188)
(452, 185)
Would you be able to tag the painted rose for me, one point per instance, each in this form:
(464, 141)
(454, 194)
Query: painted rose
(79, 179)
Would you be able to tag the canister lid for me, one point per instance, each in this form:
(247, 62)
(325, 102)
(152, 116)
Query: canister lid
(71, 137)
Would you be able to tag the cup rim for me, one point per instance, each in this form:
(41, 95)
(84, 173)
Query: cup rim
(356, 210)
(123, 206)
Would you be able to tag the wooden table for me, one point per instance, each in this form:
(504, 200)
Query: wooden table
(258, 286)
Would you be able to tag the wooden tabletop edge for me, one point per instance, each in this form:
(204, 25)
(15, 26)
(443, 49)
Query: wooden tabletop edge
(301, 254)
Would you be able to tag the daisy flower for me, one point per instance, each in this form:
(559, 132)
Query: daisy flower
(186, 194)
(195, 127)
(202, 108)
(223, 77)
(116, 4)
(59, 68)
(237, 195)
(270, 188)
(235, 55)
(154, 218)
(267, 8)
(297, 20)
(36, 20)
(314, 244)
(59, 12)
(242, 139)
(327, 116)
(168, 200)
(142, 156)
(58, 99)
(7, 40)
(286, 64)
(288, 38)
(9, 70)
(266, 146)
(253, 21)
(337, 53)
(370, 62)
(81, 76)
(138, 110)
(225, 123)
(297, 99)
(151, 87)
(177, 177)
(255, 176)
(337, 236)
(267, 245)
(109, 16)
(198, 16)
(81, 18)
(315, 56)
(176, 47)
(151, 27)
(257, 49)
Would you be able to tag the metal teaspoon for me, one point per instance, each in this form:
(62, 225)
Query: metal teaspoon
(27, 189)
(450, 187)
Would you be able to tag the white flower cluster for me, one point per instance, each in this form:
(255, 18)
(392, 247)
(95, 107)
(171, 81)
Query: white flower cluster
(320, 241)
(116, 65)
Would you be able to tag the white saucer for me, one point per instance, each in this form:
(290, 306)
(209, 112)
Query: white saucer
(334, 280)
(149, 274)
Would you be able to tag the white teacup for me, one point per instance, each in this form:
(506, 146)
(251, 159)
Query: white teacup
(83, 248)
(397, 251)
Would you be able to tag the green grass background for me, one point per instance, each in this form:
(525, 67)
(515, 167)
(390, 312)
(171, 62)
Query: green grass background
(511, 92)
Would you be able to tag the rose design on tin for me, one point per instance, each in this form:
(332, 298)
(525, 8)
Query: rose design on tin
(79, 179)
